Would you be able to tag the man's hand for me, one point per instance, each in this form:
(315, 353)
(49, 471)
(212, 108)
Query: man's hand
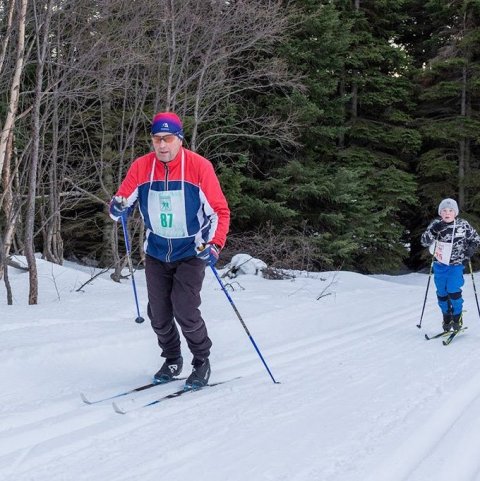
(209, 253)
(118, 206)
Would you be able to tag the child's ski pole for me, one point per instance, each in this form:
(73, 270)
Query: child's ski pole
(419, 325)
(474, 288)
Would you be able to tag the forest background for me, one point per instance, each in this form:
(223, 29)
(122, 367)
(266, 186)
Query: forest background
(335, 126)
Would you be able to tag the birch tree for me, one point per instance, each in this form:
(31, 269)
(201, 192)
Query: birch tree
(9, 122)
(6, 135)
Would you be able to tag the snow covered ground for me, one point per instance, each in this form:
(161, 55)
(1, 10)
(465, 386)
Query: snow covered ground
(363, 396)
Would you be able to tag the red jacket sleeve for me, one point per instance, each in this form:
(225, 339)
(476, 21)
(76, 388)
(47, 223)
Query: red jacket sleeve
(216, 201)
(128, 188)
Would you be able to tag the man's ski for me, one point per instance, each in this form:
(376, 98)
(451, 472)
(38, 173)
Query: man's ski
(444, 333)
(130, 391)
(186, 389)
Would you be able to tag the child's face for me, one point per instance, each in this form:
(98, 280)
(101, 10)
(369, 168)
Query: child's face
(447, 215)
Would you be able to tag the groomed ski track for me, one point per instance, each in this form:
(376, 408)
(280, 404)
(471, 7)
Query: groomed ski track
(363, 396)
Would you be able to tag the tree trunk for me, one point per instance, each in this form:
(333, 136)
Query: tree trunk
(355, 85)
(8, 32)
(341, 91)
(53, 244)
(462, 155)
(42, 43)
(11, 205)
(4, 272)
(7, 198)
(200, 89)
(15, 86)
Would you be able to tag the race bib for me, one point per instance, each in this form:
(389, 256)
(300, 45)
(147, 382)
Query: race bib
(443, 252)
(166, 210)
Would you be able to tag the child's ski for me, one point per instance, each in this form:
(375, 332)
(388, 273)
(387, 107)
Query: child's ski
(452, 336)
(436, 336)
(444, 333)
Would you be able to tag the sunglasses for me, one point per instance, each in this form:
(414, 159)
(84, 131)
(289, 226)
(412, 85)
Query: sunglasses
(166, 138)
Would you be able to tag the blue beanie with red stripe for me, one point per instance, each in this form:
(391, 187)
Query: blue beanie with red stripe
(167, 122)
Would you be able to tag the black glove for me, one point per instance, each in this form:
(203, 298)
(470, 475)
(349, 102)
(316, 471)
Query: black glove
(438, 227)
(470, 251)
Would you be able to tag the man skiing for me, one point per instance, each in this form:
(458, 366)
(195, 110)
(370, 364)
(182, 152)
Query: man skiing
(187, 218)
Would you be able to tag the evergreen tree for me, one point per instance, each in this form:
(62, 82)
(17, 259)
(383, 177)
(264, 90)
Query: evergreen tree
(350, 181)
(445, 38)
(380, 142)
(309, 181)
(449, 107)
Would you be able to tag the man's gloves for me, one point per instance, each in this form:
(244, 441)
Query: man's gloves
(118, 206)
(209, 253)
(438, 227)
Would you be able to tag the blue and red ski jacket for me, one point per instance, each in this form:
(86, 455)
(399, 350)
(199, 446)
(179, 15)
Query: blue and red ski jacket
(190, 185)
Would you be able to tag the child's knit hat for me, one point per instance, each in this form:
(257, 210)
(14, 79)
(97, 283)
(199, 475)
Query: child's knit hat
(448, 204)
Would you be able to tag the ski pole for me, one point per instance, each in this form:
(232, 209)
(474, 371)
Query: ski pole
(242, 322)
(139, 318)
(419, 325)
(474, 288)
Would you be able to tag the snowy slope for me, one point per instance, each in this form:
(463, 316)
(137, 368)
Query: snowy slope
(362, 396)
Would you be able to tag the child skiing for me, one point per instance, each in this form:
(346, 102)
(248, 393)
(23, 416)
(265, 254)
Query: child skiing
(452, 241)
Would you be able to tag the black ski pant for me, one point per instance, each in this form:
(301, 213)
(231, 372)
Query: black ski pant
(174, 294)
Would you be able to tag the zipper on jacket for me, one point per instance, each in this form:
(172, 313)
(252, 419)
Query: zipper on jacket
(169, 242)
(166, 175)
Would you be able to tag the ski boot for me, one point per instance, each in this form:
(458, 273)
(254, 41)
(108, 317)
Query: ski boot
(447, 322)
(171, 367)
(200, 374)
(457, 321)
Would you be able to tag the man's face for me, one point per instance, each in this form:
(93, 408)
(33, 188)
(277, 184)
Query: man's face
(166, 146)
(447, 215)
